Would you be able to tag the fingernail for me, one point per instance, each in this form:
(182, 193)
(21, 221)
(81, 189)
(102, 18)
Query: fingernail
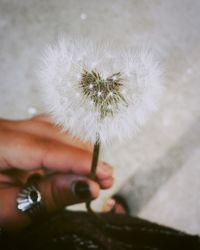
(82, 190)
(111, 202)
(109, 205)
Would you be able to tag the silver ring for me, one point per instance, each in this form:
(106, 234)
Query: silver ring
(29, 201)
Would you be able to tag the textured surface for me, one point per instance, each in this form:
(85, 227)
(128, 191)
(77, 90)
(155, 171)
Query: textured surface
(161, 164)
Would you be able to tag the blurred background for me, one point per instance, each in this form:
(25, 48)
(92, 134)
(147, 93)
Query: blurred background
(159, 169)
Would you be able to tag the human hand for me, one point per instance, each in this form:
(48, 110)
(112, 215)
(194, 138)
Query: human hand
(37, 146)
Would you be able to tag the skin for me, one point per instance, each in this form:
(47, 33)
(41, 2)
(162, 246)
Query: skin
(37, 146)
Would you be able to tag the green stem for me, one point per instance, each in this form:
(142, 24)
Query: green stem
(95, 158)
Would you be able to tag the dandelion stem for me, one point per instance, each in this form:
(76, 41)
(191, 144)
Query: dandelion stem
(95, 158)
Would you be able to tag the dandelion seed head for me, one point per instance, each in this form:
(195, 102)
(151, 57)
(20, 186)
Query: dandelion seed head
(112, 99)
(102, 91)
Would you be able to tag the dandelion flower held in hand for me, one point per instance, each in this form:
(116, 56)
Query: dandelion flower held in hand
(97, 92)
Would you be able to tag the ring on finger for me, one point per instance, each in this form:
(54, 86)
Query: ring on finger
(30, 201)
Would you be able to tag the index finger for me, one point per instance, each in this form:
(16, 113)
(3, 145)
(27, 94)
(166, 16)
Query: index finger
(30, 152)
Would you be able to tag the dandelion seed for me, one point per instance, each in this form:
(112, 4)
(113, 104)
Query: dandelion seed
(91, 103)
(110, 93)
(91, 86)
(123, 91)
(99, 93)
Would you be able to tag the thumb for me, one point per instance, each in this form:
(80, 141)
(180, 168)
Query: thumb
(57, 191)
(62, 190)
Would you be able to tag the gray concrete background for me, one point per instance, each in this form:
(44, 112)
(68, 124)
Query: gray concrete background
(159, 169)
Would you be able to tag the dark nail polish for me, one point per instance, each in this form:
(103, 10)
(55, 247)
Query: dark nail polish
(82, 190)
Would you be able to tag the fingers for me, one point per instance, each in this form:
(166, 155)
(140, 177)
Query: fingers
(43, 126)
(109, 205)
(78, 162)
(104, 175)
(26, 146)
(15, 177)
(61, 190)
(30, 152)
(65, 158)
(57, 192)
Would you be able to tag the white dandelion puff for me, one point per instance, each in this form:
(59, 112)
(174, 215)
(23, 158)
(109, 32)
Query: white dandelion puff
(93, 90)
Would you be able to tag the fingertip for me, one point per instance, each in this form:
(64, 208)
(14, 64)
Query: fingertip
(108, 183)
(104, 170)
(109, 205)
(94, 189)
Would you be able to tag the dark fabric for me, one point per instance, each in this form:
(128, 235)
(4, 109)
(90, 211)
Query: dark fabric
(79, 230)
